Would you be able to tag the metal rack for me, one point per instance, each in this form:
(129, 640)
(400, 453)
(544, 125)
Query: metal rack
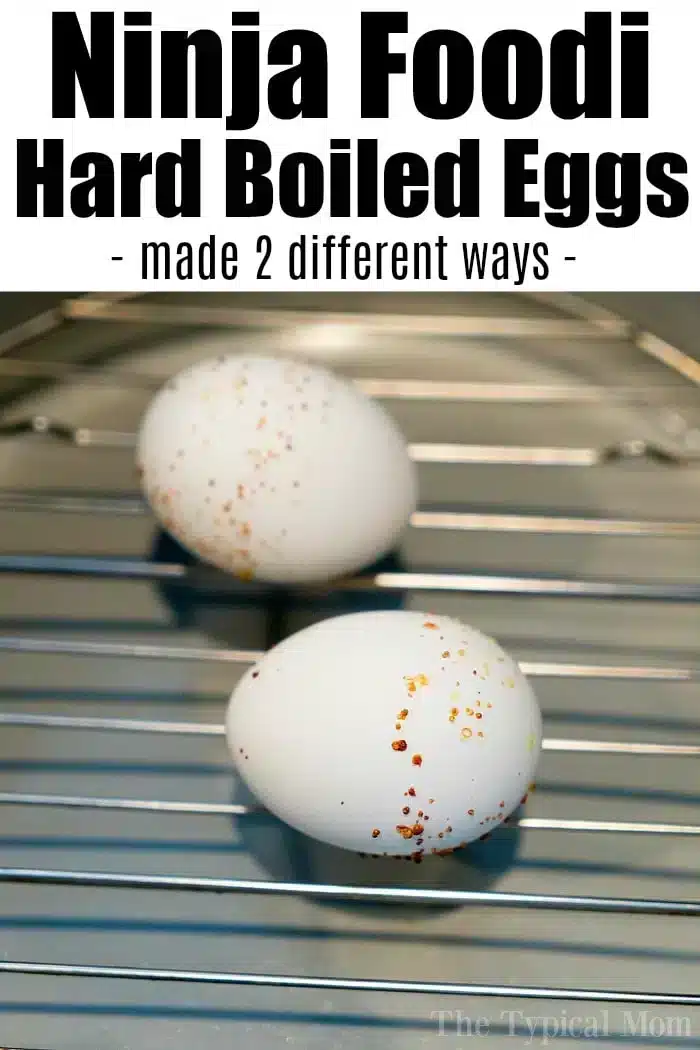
(557, 447)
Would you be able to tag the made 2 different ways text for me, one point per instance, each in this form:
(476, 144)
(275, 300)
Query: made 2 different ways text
(324, 258)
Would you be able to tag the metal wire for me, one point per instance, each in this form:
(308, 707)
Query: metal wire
(533, 669)
(601, 328)
(421, 452)
(433, 325)
(218, 809)
(406, 894)
(468, 583)
(132, 725)
(385, 389)
(450, 520)
(260, 980)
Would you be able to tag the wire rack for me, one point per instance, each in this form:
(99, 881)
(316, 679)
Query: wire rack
(146, 901)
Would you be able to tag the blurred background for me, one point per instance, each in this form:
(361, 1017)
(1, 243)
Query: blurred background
(558, 448)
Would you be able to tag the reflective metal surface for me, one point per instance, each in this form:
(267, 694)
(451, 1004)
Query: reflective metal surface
(146, 901)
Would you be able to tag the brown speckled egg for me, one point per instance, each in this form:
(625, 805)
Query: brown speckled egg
(331, 764)
(275, 469)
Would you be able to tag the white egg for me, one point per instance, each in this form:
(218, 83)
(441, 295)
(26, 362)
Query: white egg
(387, 732)
(275, 469)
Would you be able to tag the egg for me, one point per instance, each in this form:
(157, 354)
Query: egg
(275, 469)
(395, 733)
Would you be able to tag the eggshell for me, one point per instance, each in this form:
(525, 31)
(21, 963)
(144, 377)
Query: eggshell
(387, 732)
(275, 469)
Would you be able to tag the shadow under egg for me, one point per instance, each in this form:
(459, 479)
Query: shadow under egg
(215, 603)
(287, 855)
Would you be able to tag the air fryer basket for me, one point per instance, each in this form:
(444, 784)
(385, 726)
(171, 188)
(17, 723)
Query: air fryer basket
(146, 903)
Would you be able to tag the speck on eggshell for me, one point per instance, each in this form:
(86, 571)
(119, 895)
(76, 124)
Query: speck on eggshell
(334, 736)
(322, 493)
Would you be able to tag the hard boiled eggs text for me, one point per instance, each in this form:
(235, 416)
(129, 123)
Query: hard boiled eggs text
(392, 733)
(274, 469)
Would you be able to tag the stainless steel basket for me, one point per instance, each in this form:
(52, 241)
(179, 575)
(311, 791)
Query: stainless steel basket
(146, 904)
